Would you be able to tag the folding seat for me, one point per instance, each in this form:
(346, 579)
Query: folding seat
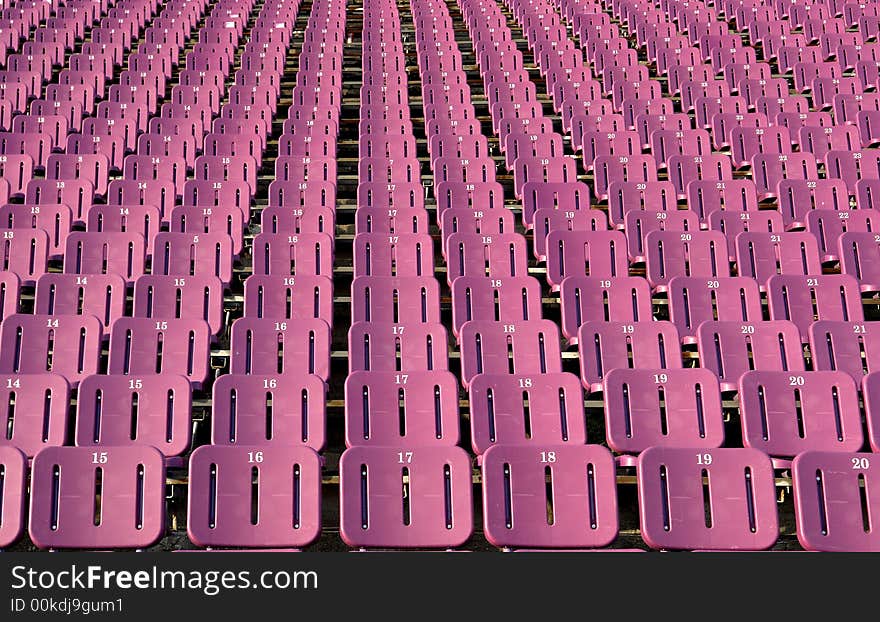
(542, 503)
(747, 142)
(17, 170)
(835, 501)
(731, 348)
(853, 166)
(858, 253)
(595, 299)
(267, 346)
(706, 197)
(595, 143)
(585, 253)
(385, 408)
(100, 295)
(147, 346)
(377, 254)
(13, 495)
(94, 168)
(230, 194)
(384, 195)
(142, 168)
(708, 106)
(662, 407)
(66, 345)
(186, 254)
(36, 415)
(666, 143)
(36, 144)
(494, 256)
(848, 107)
(784, 414)
(769, 169)
(640, 222)
(520, 348)
(118, 410)
(806, 72)
(627, 196)
(673, 253)
(236, 496)
(194, 297)
(302, 169)
(51, 130)
(547, 220)
(693, 300)
(682, 169)
(253, 410)
(387, 146)
(122, 253)
(762, 255)
(395, 299)
(144, 220)
(55, 220)
(73, 487)
(802, 300)
(509, 300)
(845, 346)
(436, 497)
(10, 294)
(177, 147)
(673, 495)
(219, 220)
(797, 197)
(608, 169)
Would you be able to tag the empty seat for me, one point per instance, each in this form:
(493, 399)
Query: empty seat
(395, 299)
(287, 298)
(69, 345)
(549, 496)
(528, 410)
(25, 253)
(859, 254)
(13, 495)
(805, 299)
(385, 346)
(605, 346)
(119, 410)
(99, 295)
(110, 498)
(36, 412)
(595, 299)
(269, 410)
(647, 407)
(694, 299)
(197, 297)
(508, 300)
(835, 501)
(730, 349)
(734, 510)
(268, 346)
(762, 255)
(494, 256)
(784, 413)
(433, 488)
(307, 254)
(187, 254)
(585, 253)
(122, 253)
(386, 408)
(852, 347)
(673, 253)
(530, 347)
(255, 496)
(140, 346)
(10, 294)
